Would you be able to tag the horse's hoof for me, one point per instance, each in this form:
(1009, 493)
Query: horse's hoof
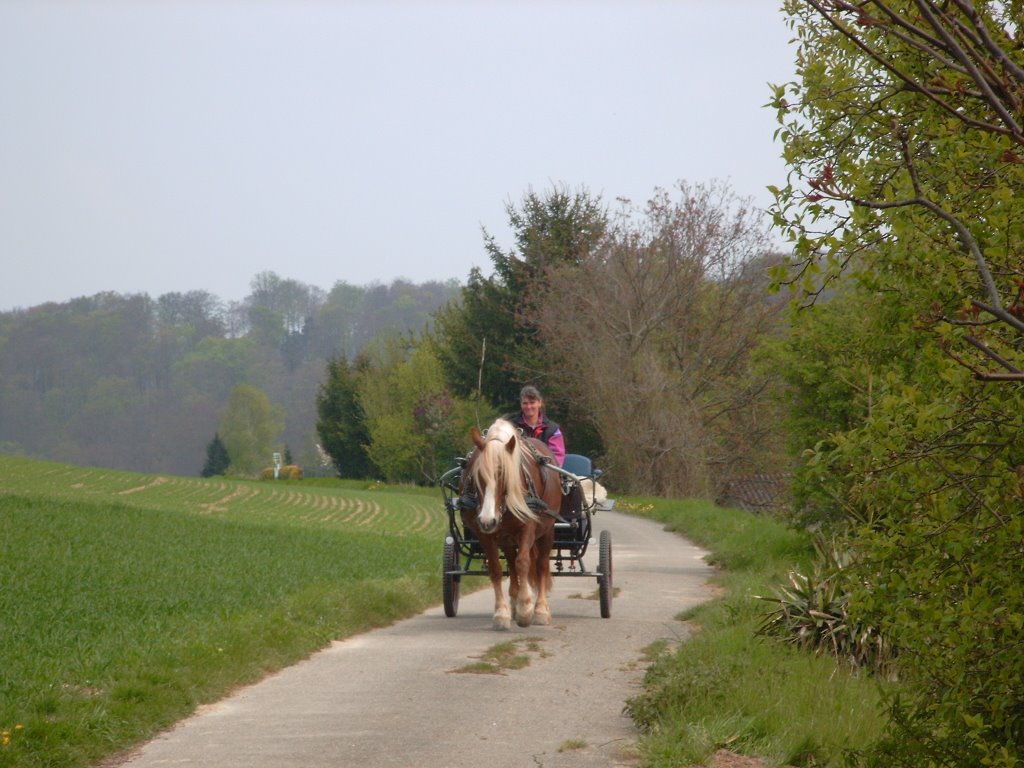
(502, 623)
(542, 617)
(524, 618)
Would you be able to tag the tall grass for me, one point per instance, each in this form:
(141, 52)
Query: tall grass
(728, 688)
(123, 605)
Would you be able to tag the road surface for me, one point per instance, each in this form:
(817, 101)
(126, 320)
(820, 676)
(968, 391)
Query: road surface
(400, 696)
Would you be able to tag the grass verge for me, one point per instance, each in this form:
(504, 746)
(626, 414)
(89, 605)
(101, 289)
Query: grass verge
(726, 687)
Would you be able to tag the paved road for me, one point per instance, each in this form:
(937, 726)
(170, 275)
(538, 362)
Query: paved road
(393, 697)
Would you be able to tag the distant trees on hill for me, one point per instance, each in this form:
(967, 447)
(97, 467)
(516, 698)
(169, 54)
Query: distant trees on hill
(133, 382)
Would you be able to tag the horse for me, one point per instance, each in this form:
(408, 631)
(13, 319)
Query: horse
(508, 475)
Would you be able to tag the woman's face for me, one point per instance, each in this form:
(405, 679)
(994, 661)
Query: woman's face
(531, 410)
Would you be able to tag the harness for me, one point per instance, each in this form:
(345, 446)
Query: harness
(567, 482)
(469, 500)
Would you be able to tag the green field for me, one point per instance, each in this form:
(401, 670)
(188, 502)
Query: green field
(126, 600)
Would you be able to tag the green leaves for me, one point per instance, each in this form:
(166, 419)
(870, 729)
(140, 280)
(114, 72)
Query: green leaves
(249, 428)
(415, 428)
(913, 141)
(926, 212)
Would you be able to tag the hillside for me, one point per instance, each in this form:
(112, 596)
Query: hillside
(140, 383)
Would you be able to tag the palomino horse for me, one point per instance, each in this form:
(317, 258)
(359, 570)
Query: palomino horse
(506, 475)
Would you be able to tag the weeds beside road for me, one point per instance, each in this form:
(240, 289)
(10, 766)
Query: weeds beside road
(727, 687)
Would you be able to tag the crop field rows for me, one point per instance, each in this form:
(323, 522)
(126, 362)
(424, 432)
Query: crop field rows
(266, 501)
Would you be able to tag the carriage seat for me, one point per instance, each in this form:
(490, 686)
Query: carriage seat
(593, 492)
(578, 464)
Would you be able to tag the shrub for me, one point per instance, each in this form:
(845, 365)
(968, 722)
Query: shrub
(287, 472)
(812, 614)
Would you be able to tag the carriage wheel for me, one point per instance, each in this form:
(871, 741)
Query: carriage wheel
(604, 580)
(450, 581)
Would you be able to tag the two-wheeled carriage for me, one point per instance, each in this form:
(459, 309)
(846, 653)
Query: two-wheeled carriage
(464, 554)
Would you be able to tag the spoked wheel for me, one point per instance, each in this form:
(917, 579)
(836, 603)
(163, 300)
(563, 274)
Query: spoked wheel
(604, 580)
(450, 581)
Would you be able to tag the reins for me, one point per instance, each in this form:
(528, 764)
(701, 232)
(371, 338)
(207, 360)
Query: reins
(534, 499)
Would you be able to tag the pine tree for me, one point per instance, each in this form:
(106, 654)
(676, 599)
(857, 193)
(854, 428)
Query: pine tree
(217, 459)
(341, 423)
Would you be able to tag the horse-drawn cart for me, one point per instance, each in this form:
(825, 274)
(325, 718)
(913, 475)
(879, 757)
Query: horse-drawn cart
(464, 554)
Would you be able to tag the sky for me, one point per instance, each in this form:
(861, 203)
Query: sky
(177, 145)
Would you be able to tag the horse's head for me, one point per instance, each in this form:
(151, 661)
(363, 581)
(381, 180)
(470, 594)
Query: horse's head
(495, 471)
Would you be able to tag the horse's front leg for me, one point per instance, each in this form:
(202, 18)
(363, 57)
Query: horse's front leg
(542, 575)
(502, 614)
(524, 567)
(510, 554)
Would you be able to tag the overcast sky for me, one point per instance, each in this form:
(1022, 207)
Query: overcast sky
(175, 145)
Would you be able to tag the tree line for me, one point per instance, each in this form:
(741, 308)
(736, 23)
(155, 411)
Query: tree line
(133, 382)
(638, 323)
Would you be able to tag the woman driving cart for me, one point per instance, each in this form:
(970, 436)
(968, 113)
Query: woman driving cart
(533, 422)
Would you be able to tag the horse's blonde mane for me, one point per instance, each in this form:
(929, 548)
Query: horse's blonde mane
(494, 460)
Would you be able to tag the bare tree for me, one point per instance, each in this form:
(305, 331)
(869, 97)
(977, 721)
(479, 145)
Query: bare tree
(654, 329)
